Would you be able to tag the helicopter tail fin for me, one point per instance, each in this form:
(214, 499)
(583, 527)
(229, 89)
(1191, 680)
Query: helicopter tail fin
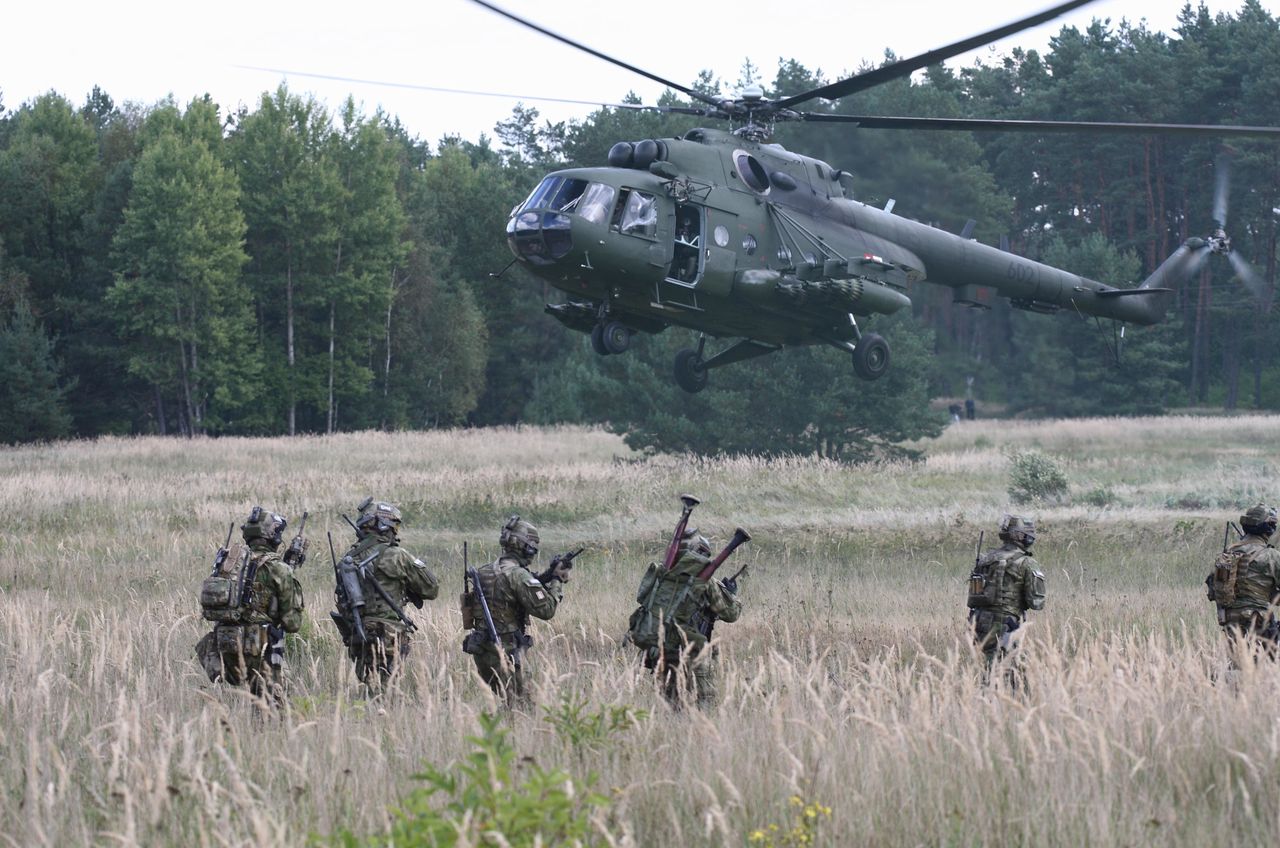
(1147, 303)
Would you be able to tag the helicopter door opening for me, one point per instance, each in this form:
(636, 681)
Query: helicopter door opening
(686, 259)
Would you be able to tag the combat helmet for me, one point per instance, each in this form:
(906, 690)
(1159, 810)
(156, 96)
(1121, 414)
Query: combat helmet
(1018, 529)
(694, 541)
(265, 527)
(1259, 520)
(377, 518)
(519, 538)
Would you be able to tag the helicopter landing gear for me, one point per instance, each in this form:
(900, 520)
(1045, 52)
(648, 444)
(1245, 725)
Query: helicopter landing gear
(871, 356)
(610, 337)
(691, 371)
(597, 340)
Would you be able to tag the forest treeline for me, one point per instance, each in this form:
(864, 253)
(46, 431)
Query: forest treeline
(171, 268)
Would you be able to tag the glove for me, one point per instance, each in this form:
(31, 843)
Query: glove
(560, 571)
(731, 585)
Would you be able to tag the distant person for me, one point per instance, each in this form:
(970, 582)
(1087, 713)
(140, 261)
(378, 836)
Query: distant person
(512, 594)
(1245, 581)
(253, 598)
(1005, 583)
(388, 578)
(954, 410)
(970, 408)
(672, 627)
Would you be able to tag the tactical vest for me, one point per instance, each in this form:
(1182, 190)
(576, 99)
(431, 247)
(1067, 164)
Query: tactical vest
(1236, 584)
(670, 603)
(495, 579)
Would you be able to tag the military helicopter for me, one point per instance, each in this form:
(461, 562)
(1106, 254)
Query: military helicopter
(723, 233)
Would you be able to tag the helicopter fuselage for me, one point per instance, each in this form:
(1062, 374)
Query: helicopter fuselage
(735, 238)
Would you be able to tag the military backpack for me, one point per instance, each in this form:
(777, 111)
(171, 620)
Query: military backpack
(666, 604)
(986, 581)
(222, 591)
(1227, 569)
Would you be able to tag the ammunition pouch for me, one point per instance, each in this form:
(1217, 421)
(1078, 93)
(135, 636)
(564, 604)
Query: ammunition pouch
(475, 642)
(249, 640)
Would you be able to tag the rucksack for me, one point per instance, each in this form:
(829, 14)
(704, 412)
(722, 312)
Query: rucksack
(1226, 574)
(222, 591)
(985, 582)
(665, 605)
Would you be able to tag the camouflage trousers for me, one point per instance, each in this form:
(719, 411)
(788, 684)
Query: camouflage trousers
(380, 659)
(686, 674)
(505, 671)
(250, 655)
(1252, 635)
(993, 632)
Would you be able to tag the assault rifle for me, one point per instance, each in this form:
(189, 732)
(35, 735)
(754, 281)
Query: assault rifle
(491, 630)
(221, 556)
(350, 600)
(362, 568)
(706, 620)
(565, 559)
(296, 554)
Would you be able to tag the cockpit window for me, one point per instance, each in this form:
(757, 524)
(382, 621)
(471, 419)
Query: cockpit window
(637, 214)
(596, 203)
(560, 194)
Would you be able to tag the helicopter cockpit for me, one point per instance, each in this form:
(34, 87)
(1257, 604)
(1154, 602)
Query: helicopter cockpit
(540, 229)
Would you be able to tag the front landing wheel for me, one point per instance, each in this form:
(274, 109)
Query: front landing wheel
(691, 374)
(871, 356)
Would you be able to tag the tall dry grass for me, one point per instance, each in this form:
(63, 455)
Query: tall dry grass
(848, 680)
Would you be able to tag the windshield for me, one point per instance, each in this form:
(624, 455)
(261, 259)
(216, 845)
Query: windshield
(560, 194)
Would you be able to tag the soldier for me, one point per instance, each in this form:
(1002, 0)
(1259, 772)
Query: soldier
(673, 624)
(1245, 581)
(1005, 583)
(512, 594)
(390, 576)
(254, 599)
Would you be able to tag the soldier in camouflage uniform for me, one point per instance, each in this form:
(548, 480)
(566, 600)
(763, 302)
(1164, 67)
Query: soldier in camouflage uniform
(402, 576)
(246, 645)
(674, 622)
(513, 594)
(1245, 582)
(1005, 583)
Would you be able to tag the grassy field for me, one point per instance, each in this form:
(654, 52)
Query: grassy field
(848, 682)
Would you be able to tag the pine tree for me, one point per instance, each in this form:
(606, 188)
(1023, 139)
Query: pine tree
(32, 392)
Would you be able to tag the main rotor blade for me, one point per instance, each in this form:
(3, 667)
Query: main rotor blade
(1249, 276)
(468, 92)
(888, 122)
(1221, 188)
(585, 49)
(906, 67)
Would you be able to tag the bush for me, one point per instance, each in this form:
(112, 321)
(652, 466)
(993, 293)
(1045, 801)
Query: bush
(1035, 477)
(494, 797)
(1100, 497)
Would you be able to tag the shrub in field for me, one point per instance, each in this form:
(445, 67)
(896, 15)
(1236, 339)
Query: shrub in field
(806, 815)
(495, 797)
(1035, 477)
(1100, 496)
(590, 731)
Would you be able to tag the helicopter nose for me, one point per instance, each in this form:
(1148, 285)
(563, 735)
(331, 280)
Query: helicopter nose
(539, 237)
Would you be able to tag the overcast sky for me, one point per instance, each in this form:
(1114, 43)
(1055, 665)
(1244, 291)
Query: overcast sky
(142, 50)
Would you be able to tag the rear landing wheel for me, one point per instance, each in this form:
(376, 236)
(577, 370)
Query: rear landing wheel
(690, 373)
(597, 340)
(871, 356)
